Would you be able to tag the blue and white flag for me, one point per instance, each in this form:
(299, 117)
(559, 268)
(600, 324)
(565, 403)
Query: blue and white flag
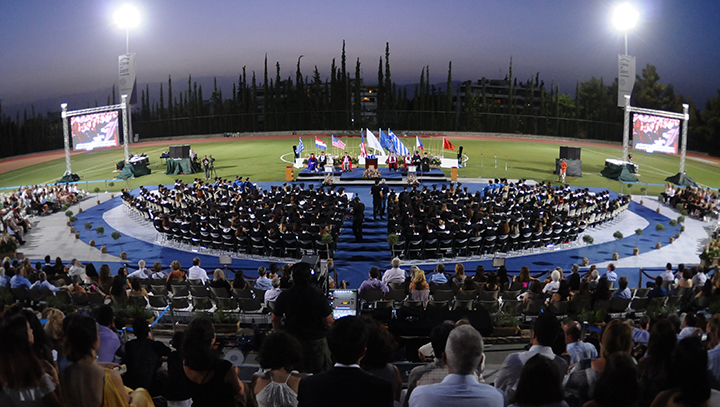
(300, 146)
(398, 147)
(386, 142)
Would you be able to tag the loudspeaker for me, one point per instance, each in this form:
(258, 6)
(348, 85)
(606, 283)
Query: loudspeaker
(570, 153)
(574, 167)
(180, 151)
(295, 152)
(460, 153)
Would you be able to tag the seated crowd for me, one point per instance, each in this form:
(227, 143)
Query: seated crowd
(698, 202)
(504, 209)
(251, 220)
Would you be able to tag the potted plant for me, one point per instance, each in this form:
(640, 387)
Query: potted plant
(327, 239)
(674, 223)
(73, 219)
(643, 190)
(101, 231)
(88, 226)
(392, 240)
(638, 233)
(617, 235)
(588, 241)
(660, 199)
(116, 236)
(659, 228)
(8, 246)
(69, 214)
(505, 324)
(681, 221)
(97, 194)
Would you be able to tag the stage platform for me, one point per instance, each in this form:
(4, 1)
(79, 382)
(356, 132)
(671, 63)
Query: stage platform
(399, 177)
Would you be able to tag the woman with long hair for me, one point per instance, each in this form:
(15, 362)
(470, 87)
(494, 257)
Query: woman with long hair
(25, 379)
(213, 382)
(85, 383)
(419, 288)
(540, 384)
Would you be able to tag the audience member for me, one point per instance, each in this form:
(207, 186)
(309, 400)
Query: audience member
(395, 274)
(658, 291)
(271, 295)
(196, 272)
(346, 383)
(212, 381)
(262, 281)
(540, 384)
(576, 348)
(307, 315)
(143, 357)
(617, 384)
(372, 283)
(623, 291)
(84, 382)
(141, 272)
(219, 280)
(157, 272)
(25, 380)
(176, 391)
(435, 371)
(463, 354)
(582, 378)
(610, 274)
(109, 340)
(690, 384)
(419, 288)
(280, 355)
(137, 290)
(438, 275)
(554, 283)
(545, 330)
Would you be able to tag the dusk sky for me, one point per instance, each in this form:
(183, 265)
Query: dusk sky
(49, 48)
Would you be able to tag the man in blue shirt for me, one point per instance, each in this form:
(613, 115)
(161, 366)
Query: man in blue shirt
(463, 354)
(623, 291)
(4, 280)
(658, 290)
(438, 275)
(19, 280)
(43, 283)
(263, 283)
(610, 273)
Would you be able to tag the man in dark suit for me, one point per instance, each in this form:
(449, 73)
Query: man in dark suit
(358, 211)
(346, 384)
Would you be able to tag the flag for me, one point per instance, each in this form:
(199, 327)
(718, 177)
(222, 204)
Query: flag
(419, 144)
(386, 142)
(363, 151)
(372, 142)
(320, 144)
(398, 146)
(300, 146)
(337, 143)
(448, 145)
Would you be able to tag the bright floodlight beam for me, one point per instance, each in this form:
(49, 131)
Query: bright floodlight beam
(625, 18)
(127, 17)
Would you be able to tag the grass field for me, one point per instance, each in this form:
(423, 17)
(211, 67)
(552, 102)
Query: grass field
(260, 159)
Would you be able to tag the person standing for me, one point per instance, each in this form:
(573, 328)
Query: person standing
(307, 316)
(383, 202)
(563, 170)
(417, 161)
(463, 354)
(322, 161)
(358, 211)
(425, 163)
(206, 166)
(376, 193)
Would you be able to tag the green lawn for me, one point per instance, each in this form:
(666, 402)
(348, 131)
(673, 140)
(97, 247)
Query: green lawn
(260, 160)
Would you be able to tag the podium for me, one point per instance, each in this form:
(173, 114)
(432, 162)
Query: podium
(371, 162)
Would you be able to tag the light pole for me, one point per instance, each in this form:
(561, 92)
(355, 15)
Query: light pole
(624, 18)
(127, 17)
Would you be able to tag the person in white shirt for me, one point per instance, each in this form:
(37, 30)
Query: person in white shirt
(141, 273)
(554, 284)
(77, 269)
(667, 275)
(272, 294)
(395, 274)
(196, 272)
(699, 277)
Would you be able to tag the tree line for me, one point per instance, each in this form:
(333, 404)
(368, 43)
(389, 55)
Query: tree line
(276, 102)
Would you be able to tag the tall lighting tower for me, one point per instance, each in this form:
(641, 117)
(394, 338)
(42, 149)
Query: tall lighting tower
(127, 17)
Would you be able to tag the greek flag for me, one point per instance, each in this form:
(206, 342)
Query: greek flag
(300, 146)
(386, 142)
(398, 146)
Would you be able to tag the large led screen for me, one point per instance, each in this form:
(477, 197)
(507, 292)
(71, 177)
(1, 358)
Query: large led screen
(93, 131)
(655, 133)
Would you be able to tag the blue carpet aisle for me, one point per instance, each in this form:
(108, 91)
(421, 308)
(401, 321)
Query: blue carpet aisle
(353, 260)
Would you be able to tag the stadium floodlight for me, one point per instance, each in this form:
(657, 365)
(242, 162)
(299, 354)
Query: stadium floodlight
(127, 17)
(625, 18)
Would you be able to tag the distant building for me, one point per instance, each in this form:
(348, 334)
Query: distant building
(526, 96)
